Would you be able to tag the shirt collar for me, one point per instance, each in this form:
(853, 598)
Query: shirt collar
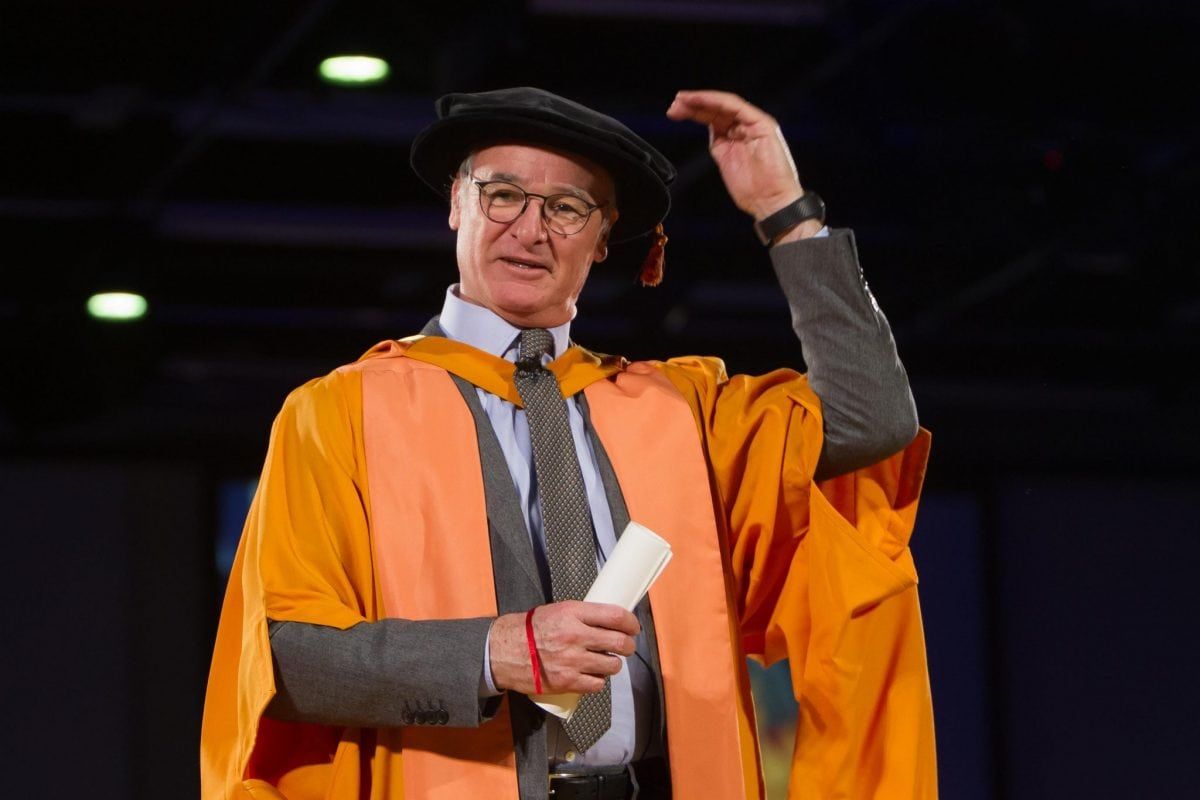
(484, 330)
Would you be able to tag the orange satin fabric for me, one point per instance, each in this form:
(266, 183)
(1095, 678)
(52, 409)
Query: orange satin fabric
(305, 557)
(649, 434)
(432, 554)
(820, 575)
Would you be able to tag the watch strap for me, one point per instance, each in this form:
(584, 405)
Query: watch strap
(808, 206)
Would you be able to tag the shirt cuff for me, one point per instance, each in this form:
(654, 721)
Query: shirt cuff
(487, 684)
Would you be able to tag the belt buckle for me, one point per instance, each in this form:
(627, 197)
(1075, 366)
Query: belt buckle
(551, 792)
(601, 779)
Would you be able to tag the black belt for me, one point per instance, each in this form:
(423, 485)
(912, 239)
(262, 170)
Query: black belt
(651, 776)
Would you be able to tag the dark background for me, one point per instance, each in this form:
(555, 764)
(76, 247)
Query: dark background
(1020, 177)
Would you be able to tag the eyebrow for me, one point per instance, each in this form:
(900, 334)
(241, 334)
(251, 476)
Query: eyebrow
(563, 188)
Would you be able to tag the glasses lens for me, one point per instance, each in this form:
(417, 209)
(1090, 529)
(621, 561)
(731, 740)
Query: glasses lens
(502, 202)
(566, 213)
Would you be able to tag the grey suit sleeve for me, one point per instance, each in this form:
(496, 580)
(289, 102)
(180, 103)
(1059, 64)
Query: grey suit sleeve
(853, 366)
(381, 674)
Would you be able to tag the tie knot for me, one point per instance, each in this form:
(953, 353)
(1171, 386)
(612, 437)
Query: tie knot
(533, 344)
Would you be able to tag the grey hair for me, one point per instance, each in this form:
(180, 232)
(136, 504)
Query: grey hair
(464, 182)
(463, 177)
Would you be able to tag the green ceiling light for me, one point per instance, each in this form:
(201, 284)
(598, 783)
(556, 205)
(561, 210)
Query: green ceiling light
(116, 306)
(353, 70)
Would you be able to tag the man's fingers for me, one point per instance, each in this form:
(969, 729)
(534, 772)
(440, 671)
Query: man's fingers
(609, 628)
(712, 102)
(605, 615)
(588, 684)
(612, 642)
(600, 664)
(705, 115)
(720, 110)
(720, 122)
(580, 671)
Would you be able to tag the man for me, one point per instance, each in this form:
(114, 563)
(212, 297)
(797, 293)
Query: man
(429, 517)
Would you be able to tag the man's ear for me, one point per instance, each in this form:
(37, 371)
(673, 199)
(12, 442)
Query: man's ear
(455, 208)
(601, 251)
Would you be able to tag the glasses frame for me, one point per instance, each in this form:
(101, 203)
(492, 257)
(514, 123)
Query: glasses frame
(545, 198)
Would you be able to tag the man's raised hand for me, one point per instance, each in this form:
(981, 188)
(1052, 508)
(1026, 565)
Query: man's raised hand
(749, 148)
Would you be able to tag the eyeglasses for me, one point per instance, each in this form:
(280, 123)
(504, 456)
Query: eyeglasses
(504, 202)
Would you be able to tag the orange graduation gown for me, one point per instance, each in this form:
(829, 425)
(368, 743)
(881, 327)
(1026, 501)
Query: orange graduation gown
(370, 466)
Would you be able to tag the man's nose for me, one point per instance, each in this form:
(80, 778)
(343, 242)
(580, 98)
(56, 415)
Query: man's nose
(530, 226)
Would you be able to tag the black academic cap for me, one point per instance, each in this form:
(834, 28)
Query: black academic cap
(469, 122)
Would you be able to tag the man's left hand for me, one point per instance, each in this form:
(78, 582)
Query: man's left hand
(749, 148)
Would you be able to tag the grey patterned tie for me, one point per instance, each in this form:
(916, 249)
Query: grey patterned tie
(566, 518)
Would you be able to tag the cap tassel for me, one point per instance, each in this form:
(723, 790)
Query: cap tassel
(652, 267)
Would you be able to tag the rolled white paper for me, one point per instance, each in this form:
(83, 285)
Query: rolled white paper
(634, 565)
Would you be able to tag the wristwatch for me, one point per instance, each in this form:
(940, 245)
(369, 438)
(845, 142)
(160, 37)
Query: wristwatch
(809, 206)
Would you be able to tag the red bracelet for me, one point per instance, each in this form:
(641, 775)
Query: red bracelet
(534, 661)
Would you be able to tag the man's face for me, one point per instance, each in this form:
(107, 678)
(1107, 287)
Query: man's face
(521, 270)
